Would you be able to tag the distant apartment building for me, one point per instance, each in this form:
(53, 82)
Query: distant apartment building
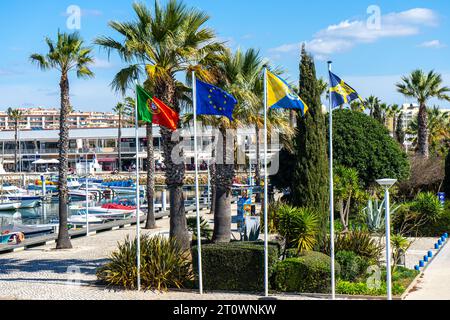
(48, 119)
(103, 145)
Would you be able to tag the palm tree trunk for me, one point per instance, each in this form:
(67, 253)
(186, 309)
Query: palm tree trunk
(423, 131)
(119, 144)
(63, 241)
(16, 143)
(151, 222)
(258, 161)
(175, 172)
(223, 182)
(213, 172)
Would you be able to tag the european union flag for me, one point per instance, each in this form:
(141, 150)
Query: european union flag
(214, 101)
(341, 92)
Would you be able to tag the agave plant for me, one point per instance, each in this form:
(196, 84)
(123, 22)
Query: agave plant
(374, 214)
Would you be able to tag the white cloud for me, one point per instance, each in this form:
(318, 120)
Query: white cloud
(347, 34)
(434, 44)
(102, 64)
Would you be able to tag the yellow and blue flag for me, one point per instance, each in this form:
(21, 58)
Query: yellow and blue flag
(341, 92)
(212, 100)
(281, 96)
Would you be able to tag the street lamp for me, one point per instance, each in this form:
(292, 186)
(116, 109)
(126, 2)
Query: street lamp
(387, 184)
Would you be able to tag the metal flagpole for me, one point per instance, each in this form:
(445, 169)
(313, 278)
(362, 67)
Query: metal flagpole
(197, 192)
(138, 196)
(266, 195)
(333, 280)
(87, 197)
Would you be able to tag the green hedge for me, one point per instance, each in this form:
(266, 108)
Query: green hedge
(236, 266)
(309, 273)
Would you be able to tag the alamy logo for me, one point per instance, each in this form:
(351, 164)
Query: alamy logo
(74, 17)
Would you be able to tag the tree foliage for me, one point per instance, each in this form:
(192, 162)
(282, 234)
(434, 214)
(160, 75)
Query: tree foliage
(362, 143)
(310, 188)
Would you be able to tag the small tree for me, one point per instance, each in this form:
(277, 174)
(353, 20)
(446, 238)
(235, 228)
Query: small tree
(310, 170)
(362, 143)
(399, 130)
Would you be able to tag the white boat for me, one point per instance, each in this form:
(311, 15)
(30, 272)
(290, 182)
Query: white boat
(27, 200)
(80, 194)
(80, 219)
(8, 205)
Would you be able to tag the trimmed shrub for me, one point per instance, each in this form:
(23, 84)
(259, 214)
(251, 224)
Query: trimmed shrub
(308, 273)
(235, 266)
(164, 264)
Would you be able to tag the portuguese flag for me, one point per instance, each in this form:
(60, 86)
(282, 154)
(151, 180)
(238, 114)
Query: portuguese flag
(153, 110)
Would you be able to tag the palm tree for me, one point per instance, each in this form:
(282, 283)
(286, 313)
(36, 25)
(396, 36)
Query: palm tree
(423, 87)
(67, 54)
(16, 115)
(439, 131)
(394, 113)
(120, 109)
(371, 103)
(162, 43)
(241, 75)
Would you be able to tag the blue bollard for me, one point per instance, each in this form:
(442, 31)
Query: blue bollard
(436, 246)
(422, 263)
(439, 242)
(425, 258)
(417, 268)
(446, 235)
(430, 254)
(443, 239)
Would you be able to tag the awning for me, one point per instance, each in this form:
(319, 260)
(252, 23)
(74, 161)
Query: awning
(107, 160)
(43, 161)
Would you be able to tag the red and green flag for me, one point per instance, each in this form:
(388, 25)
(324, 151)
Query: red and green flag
(153, 110)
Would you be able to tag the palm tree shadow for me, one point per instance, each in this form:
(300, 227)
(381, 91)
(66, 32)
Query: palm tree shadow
(85, 267)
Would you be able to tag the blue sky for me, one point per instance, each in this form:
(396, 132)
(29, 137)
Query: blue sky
(369, 56)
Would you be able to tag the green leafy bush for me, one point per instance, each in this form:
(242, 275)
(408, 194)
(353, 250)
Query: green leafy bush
(205, 230)
(235, 266)
(164, 264)
(401, 279)
(308, 273)
(352, 265)
(427, 205)
(361, 288)
(298, 226)
(359, 242)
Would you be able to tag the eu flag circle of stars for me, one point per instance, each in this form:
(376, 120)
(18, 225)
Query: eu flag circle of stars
(211, 102)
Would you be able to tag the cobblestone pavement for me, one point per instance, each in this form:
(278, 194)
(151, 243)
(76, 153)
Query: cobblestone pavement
(46, 274)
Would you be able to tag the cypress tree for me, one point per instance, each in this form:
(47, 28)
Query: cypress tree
(399, 132)
(311, 171)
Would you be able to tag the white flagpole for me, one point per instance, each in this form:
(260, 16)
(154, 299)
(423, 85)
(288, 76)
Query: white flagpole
(266, 195)
(333, 274)
(197, 192)
(138, 196)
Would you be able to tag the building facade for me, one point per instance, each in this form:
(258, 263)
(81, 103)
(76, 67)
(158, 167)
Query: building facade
(102, 144)
(48, 119)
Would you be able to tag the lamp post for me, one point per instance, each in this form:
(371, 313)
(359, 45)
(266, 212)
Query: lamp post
(387, 184)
